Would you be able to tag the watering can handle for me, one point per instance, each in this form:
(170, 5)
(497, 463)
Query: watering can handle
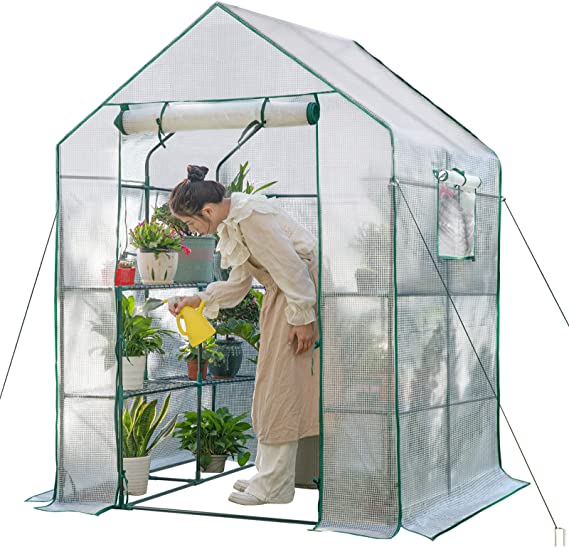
(182, 331)
(201, 306)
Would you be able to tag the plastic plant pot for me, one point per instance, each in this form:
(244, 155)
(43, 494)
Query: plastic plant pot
(193, 369)
(125, 276)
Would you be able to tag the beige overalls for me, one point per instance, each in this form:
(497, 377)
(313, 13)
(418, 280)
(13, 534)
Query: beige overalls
(285, 407)
(285, 403)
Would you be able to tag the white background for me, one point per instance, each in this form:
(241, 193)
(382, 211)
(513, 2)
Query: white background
(509, 61)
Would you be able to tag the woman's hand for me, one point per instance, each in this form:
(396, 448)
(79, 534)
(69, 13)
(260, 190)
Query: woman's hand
(176, 307)
(304, 335)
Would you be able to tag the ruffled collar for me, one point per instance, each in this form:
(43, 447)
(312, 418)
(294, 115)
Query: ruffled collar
(231, 247)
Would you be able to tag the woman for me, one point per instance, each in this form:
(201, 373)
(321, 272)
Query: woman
(260, 240)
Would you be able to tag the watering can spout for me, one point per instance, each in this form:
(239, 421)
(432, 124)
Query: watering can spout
(196, 327)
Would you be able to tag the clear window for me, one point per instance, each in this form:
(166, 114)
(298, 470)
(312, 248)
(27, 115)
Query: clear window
(456, 214)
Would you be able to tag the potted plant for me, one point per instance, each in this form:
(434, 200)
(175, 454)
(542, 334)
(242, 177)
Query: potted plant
(210, 354)
(125, 272)
(157, 254)
(139, 424)
(196, 266)
(373, 243)
(139, 339)
(237, 324)
(221, 435)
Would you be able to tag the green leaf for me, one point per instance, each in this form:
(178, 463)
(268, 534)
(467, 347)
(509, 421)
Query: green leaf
(243, 458)
(158, 420)
(268, 185)
(164, 433)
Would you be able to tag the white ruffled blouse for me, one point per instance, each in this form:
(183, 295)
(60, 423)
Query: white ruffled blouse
(257, 226)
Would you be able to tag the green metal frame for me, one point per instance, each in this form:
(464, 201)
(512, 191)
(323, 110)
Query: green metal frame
(120, 397)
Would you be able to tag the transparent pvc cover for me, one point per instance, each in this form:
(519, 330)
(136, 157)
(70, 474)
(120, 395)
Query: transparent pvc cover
(409, 423)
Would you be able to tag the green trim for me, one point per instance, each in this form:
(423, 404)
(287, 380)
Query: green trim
(498, 316)
(396, 359)
(161, 133)
(138, 72)
(474, 236)
(229, 99)
(320, 482)
(258, 127)
(104, 510)
(56, 330)
(313, 113)
(321, 78)
(456, 257)
(226, 515)
(119, 493)
(118, 121)
(438, 213)
(56, 323)
(263, 120)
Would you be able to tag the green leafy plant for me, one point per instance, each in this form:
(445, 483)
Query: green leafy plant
(164, 215)
(242, 320)
(210, 351)
(139, 336)
(157, 237)
(239, 184)
(220, 433)
(140, 422)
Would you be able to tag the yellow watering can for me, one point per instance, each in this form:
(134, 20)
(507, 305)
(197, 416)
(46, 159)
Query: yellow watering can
(197, 328)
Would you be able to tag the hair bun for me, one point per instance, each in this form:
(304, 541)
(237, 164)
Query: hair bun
(197, 172)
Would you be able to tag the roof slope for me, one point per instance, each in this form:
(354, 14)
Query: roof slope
(348, 67)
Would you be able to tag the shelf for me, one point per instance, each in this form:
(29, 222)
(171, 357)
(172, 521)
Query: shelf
(182, 382)
(165, 384)
(141, 286)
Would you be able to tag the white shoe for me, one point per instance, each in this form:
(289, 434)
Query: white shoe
(241, 485)
(245, 499)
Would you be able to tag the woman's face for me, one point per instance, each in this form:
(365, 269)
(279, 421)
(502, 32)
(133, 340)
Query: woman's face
(201, 225)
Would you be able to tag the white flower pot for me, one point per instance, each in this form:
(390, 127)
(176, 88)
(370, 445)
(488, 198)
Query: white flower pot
(133, 372)
(157, 270)
(137, 470)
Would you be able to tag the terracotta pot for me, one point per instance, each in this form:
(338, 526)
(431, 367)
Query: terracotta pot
(193, 369)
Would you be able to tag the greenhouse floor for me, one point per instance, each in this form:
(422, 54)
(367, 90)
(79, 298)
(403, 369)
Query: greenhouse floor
(170, 491)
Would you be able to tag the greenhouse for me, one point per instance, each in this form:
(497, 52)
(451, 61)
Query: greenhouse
(405, 203)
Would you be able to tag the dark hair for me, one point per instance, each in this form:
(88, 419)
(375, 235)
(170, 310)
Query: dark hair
(189, 196)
